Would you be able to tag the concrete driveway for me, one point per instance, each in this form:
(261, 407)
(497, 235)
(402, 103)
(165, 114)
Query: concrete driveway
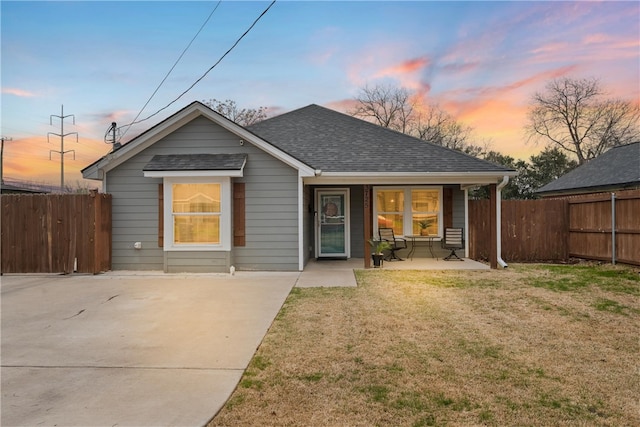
(130, 350)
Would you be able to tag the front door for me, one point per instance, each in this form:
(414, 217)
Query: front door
(332, 223)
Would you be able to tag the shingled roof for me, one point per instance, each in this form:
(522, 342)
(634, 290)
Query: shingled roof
(334, 142)
(196, 162)
(617, 168)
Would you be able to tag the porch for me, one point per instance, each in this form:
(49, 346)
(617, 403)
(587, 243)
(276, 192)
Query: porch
(340, 273)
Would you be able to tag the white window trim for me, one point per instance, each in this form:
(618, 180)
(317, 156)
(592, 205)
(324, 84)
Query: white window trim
(406, 223)
(225, 214)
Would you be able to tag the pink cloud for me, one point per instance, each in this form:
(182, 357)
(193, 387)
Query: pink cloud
(597, 38)
(344, 105)
(408, 66)
(551, 47)
(18, 92)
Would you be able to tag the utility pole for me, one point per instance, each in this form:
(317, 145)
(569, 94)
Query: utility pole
(4, 138)
(62, 135)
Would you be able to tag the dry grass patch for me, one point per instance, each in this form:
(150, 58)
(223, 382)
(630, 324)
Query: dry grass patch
(531, 345)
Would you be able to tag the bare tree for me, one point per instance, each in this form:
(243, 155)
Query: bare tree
(395, 108)
(575, 115)
(387, 106)
(439, 127)
(242, 116)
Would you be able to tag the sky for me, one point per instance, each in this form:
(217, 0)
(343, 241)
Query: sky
(105, 62)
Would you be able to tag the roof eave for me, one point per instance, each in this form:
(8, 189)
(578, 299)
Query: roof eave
(182, 117)
(587, 190)
(373, 178)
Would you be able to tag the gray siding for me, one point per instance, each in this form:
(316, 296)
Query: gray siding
(458, 206)
(271, 208)
(308, 224)
(357, 221)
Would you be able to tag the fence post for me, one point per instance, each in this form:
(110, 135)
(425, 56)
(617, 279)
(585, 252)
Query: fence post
(613, 228)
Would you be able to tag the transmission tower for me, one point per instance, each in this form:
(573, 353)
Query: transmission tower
(4, 138)
(62, 135)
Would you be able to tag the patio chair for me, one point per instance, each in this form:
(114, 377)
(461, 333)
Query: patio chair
(453, 240)
(396, 243)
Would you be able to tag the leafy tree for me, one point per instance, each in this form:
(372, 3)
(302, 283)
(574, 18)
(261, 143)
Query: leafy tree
(547, 166)
(242, 116)
(575, 115)
(513, 189)
(540, 170)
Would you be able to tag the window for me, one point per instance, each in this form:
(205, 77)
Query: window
(197, 214)
(390, 206)
(409, 209)
(425, 211)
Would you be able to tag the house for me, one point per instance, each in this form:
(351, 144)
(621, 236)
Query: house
(616, 169)
(305, 184)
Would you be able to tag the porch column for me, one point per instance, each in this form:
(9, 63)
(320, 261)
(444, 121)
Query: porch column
(493, 227)
(368, 225)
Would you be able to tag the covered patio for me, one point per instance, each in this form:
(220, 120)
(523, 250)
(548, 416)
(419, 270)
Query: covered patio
(340, 273)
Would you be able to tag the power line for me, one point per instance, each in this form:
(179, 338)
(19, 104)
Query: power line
(206, 72)
(169, 72)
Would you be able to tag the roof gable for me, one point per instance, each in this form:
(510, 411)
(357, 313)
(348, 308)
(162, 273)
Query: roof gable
(619, 167)
(176, 121)
(335, 142)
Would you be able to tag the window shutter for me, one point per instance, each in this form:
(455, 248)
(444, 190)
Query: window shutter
(160, 215)
(239, 214)
(447, 207)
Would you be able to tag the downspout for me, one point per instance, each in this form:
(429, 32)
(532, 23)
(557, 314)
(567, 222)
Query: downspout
(499, 188)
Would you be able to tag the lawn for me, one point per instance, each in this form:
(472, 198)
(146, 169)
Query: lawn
(528, 346)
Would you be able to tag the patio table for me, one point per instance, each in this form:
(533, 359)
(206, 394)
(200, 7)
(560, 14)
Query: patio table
(418, 237)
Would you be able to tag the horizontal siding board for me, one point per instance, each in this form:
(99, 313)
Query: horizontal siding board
(131, 207)
(272, 195)
(288, 255)
(197, 261)
(276, 239)
(266, 218)
(137, 266)
(269, 244)
(269, 267)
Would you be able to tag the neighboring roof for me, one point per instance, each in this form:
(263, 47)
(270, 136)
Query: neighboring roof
(10, 185)
(334, 142)
(196, 162)
(615, 169)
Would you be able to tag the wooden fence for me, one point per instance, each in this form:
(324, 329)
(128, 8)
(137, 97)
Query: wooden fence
(532, 230)
(591, 225)
(557, 229)
(59, 233)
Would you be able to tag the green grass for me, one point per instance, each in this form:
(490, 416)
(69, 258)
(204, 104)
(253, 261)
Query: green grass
(564, 278)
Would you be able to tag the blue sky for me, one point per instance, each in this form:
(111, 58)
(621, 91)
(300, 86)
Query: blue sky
(481, 61)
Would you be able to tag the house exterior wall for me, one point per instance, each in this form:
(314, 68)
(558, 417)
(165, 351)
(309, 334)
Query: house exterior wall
(458, 206)
(270, 208)
(357, 221)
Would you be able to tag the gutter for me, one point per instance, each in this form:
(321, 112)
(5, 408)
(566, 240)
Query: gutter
(499, 188)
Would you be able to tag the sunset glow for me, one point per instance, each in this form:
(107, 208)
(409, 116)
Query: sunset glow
(481, 62)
